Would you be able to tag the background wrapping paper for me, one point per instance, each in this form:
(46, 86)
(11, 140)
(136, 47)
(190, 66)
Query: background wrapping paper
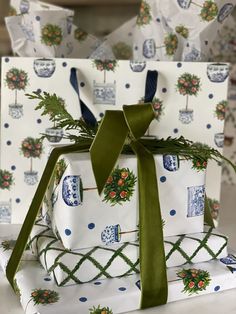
(124, 293)
(90, 222)
(129, 86)
(44, 30)
(80, 266)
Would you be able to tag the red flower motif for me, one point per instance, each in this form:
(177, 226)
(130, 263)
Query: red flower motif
(123, 194)
(5, 183)
(109, 180)
(112, 194)
(191, 284)
(120, 182)
(201, 284)
(124, 174)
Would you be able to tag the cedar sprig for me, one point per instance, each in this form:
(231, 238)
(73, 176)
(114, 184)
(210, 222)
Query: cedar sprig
(51, 105)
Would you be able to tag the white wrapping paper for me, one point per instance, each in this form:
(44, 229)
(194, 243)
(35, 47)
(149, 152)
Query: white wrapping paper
(80, 266)
(39, 292)
(128, 82)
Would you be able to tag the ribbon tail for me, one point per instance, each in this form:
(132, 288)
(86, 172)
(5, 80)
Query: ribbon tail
(154, 285)
(35, 206)
(207, 214)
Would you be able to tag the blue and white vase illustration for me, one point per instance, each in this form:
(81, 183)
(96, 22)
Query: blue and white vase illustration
(219, 139)
(69, 23)
(28, 31)
(5, 211)
(171, 162)
(112, 234)
(196, 200)
(24, 6)
(184, 4)
(229, 260)
(224, 12)
(217, 72)
(104, 93)
(44, 67)
(54, 135)
(72, 190)
(170, 44)
(16, 111)
(137, 66)
(31, 177)
(193, 55)
(209, 8)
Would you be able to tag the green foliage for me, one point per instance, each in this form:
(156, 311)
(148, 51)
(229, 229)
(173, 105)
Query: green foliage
(122, 51)
(32, 147)
(16, 79)
(8, 245)
(51, 105)
(188, 84)
(105, 65)
(221, 109)
(44, 296)
(100, 310)
(171, 44)
(209, 11)
(120, 186)
(51, 35)
(12, 11)
(6, 179)
(214, 207)
(194, 280)
(157, 105)
(144, 16)
(80, 34)
(182, 30)
(59, 170)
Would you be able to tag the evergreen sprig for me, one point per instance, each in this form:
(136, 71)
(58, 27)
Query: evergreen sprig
(53, 106)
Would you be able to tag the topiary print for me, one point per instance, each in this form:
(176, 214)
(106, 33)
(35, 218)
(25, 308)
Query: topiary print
(221, 109)
(80, 34)
(209, 11)
(144, 16)
(105, 65)
(122, 51)
(171, 44)
(194, 280)
(120, 186)
(6, 179)
(51, 35)
(182, 30)
(100, 310)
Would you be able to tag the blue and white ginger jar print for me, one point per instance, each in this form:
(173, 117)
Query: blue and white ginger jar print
(184, 4)
(196, 200)
(171, 162)
(104, 93)
(224, 12)
(54, 135)
(219, 139)
(24, 6)
(31, 177)
(218, 72)
(193, 55)
(5, 212)
(186, 116)
(149, 48)
(229, 260)
(16, 111)
(71, 190)
(137, 66)
(44, 67)
(111, 234)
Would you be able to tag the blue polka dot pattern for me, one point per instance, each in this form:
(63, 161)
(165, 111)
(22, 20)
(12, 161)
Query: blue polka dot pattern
(97, 283)
(217, 288)
(8, 143)
(17, 200)
(6, 125)
(13, 167)
(101, 114)
(208, 126)
(179, 65)
(64, 64)
(91, 226)
(6, 59)
(127, 85)
(83, 299)
(175, 130)
(136, 48)
(39, 90)
(206, 42)
(122, 289)
(82, 84)
(158, 20)
(163, 179)
(37, 18)
(39, 121)
(210, 96)
(130, 34)
(164, 90)
(67, 232)
(173, 212)
(47, 279)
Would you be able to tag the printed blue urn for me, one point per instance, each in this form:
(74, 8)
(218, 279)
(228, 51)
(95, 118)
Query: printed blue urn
(111, 234)
(16, 111)
(224, 12)
(196, 200)
(24, 6)
(44, 67)
(171, 162)
(54, 135)
(186, 116)
(184, 4)
(193, 55)
(104, 93)
(31, 177)
(217, 72)
(5, 212)
(72, 190)
(219, 139)
(229, 260)
(149, 48)
(137, 66)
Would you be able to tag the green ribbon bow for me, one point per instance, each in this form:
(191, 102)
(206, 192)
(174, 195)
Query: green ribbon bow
(112, 134)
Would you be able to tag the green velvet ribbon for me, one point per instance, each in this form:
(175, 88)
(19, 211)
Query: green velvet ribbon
(115, 129)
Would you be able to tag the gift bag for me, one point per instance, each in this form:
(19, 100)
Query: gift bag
(38, 29)
(180, 110)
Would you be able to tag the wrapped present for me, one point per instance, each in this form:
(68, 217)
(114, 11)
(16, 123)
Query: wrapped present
(38, 29)
(84, 219)
(119, 260)
(39, 292)
(54, 76)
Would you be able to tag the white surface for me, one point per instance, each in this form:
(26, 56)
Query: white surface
(217, 303)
